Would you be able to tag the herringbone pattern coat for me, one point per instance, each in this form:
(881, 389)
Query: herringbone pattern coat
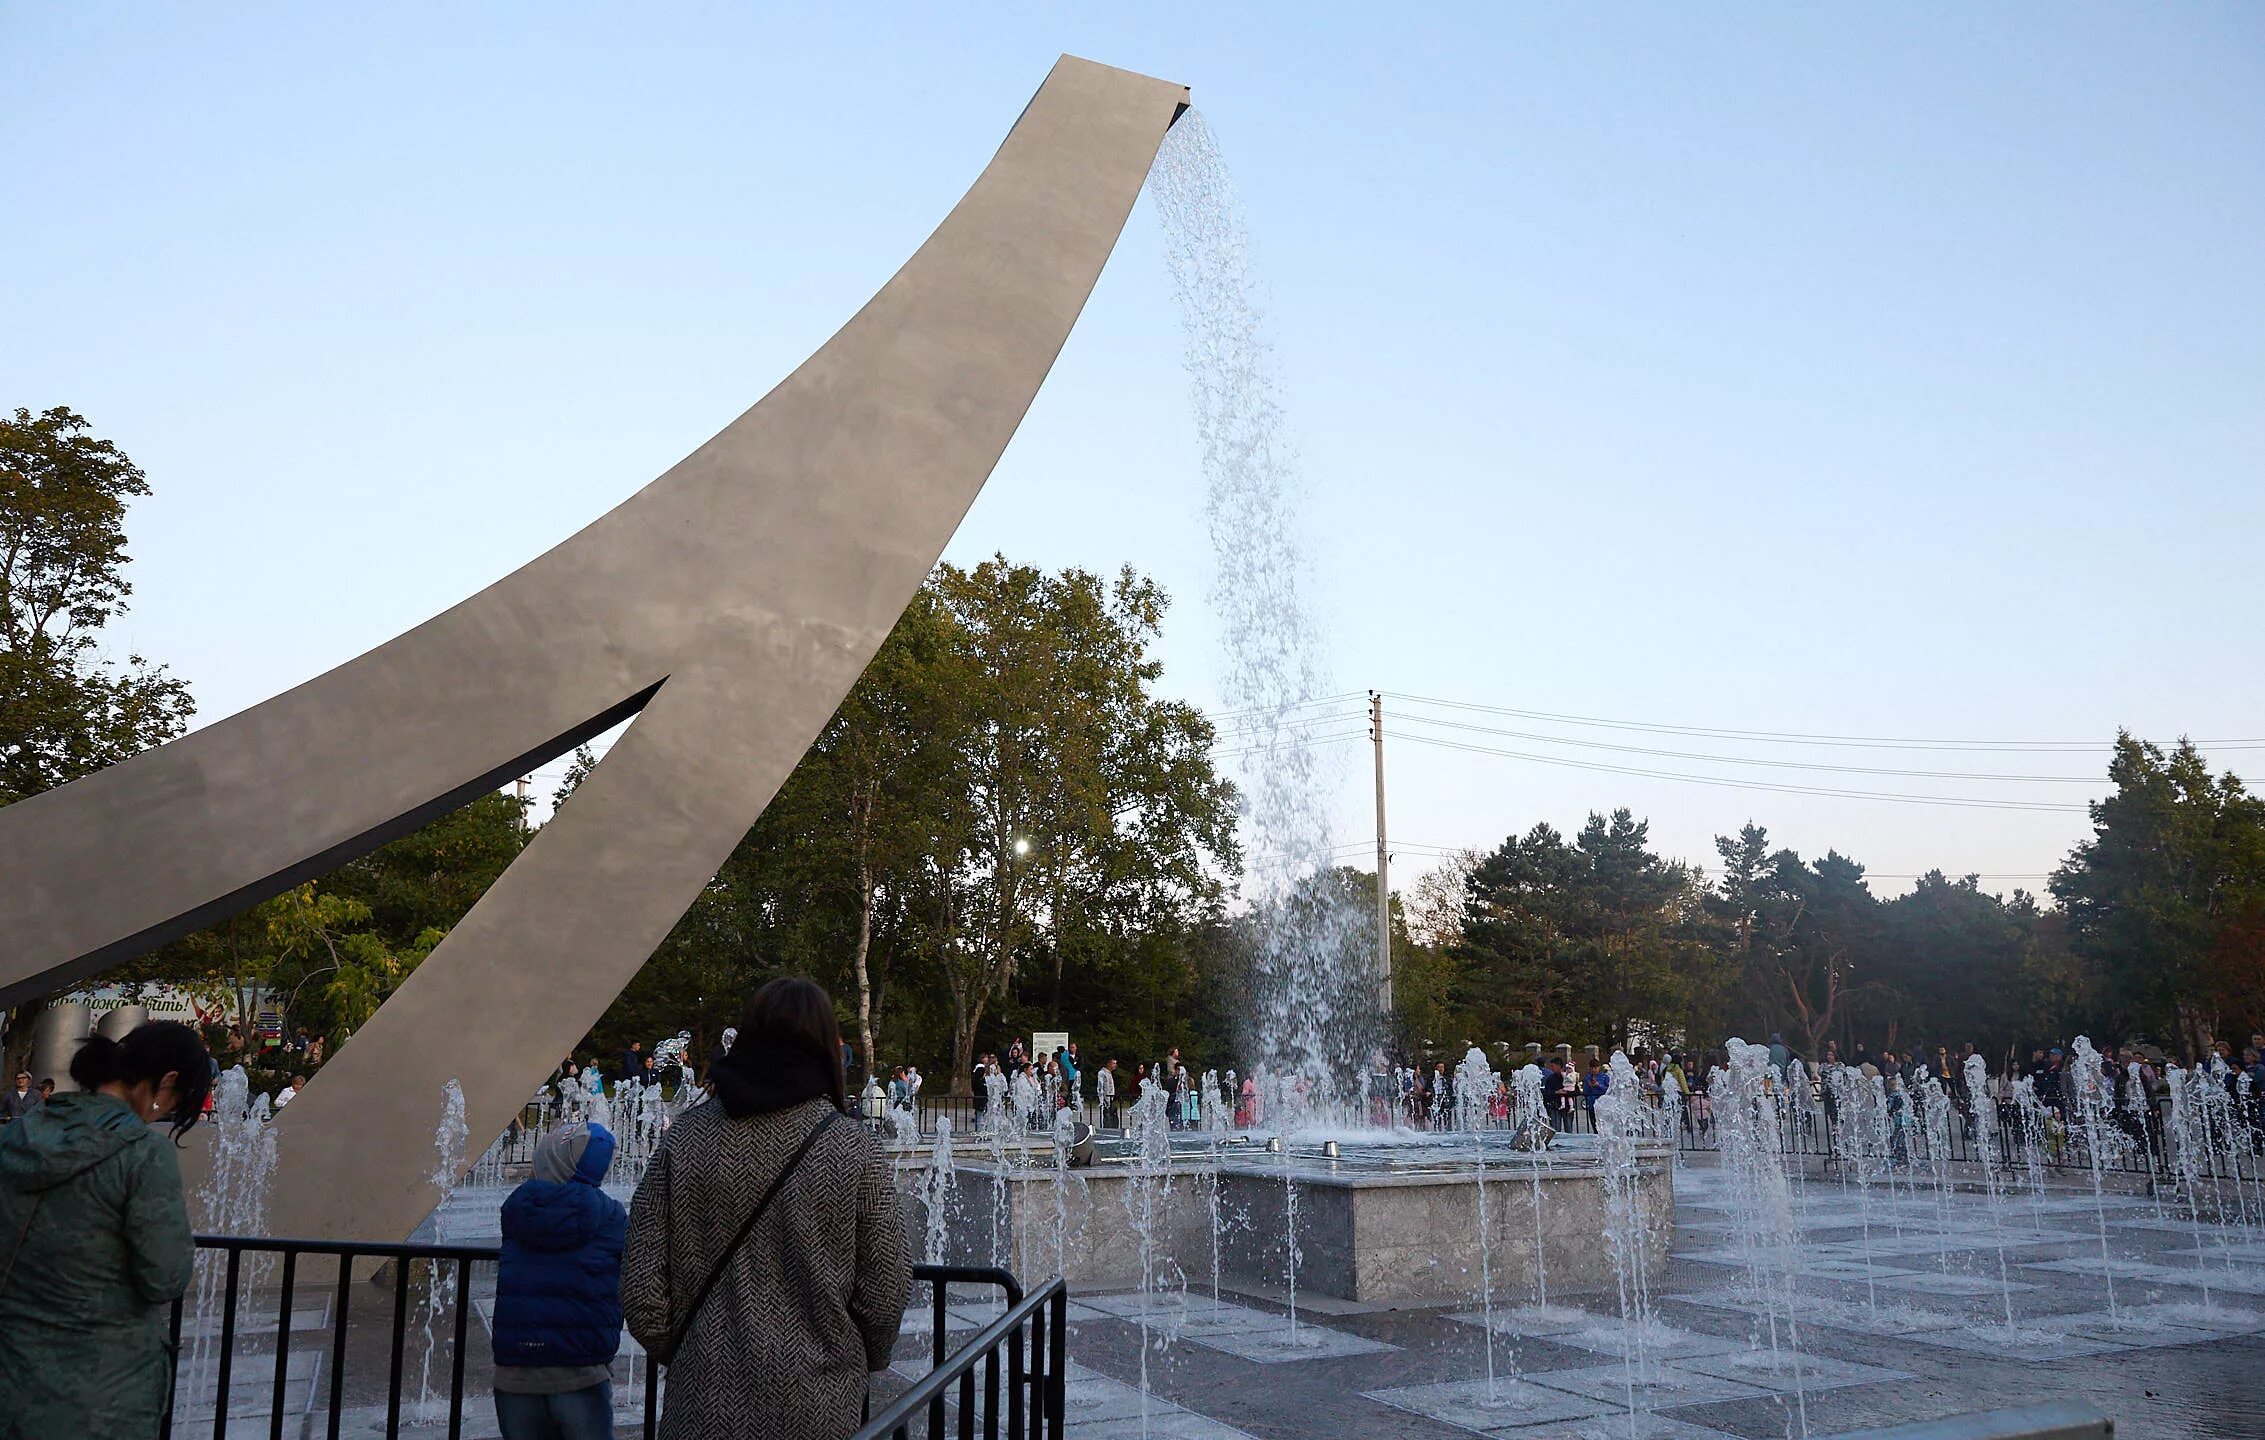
(809, 1305)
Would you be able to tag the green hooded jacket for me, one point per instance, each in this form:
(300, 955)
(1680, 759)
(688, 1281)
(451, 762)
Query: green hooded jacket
(94, 1244)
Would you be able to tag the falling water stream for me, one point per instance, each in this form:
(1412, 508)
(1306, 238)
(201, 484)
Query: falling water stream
(1319, 1010)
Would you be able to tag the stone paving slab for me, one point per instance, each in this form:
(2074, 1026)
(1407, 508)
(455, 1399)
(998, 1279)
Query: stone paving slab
(1282, 1345)
(1661, 1341)
(1786, 1372)
(1513, 1405)
(2240, 1282)
(1172, 1424)
(1619, 1427)
(1536, 1322)
(1935, 1282)
(1666, 1387)
(1182, 1309)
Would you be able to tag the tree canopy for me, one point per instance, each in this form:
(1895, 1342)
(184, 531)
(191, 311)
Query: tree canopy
(67, 709)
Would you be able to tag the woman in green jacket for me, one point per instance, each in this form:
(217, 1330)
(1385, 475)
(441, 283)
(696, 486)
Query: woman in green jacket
(94, 1240)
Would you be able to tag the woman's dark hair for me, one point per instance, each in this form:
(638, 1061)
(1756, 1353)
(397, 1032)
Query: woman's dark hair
(794, 1014)
(147, 1055)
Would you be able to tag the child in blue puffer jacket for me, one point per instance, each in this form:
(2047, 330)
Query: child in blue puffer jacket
(558, 1293)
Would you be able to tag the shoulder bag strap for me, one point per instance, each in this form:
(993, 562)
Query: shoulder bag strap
(747, 1227)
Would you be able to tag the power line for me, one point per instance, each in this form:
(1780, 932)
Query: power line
(1797, 737)
(1285, 708)
(1964, 802)
(1296, 744)
(1257, 725)
(1431, 720)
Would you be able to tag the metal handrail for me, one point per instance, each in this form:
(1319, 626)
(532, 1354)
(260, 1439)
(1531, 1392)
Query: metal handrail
(235, 1247)
(1043, 1375)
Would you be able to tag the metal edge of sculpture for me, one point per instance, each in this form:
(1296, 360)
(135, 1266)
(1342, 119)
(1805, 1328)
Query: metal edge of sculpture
(729, 606)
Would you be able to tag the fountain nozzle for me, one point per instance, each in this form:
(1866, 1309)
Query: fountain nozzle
(1273, 1144)
(1329, 1150)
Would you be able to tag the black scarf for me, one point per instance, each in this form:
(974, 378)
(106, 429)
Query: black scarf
(754, 1078)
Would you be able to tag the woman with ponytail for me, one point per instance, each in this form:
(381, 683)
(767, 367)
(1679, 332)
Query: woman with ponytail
(94, 1239)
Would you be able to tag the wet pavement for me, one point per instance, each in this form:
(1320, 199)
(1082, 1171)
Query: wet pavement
(1901, 1317)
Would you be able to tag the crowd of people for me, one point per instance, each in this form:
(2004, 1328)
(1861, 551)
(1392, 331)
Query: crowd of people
(1572, 1081)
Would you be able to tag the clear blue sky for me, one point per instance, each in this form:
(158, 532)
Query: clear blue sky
(1897, 372)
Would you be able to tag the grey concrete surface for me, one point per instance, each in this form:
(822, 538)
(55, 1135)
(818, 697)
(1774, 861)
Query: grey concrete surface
(729, 605)
(1361, 1237)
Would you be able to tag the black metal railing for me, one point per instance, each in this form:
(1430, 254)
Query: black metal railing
(231, 1267)
(969, 1115)
(1021, 1356)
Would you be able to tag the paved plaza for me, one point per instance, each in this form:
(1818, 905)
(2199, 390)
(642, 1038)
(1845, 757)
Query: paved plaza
(1915, 1331)
(1901, 1317)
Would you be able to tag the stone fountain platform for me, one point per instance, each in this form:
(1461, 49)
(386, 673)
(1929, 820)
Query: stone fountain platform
(1395, 1225)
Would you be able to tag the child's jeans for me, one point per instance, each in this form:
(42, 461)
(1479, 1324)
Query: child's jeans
(574, 1415)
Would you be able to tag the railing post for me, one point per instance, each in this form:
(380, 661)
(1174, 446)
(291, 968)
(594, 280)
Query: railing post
(1014, 1386)
(400, 1341)
(991, 1394)
(338, 1340)
(1039, 1355)
(282, 1344)
(456, 1361)
(227, 1348)
(936, 1339)
(1056, 1378)
(173, 1374)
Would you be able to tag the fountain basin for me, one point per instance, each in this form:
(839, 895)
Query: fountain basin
(1380, 1225)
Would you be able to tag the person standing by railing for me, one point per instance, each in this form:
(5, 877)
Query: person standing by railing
(558, 1293)
(767, 1264)
(94, 1239)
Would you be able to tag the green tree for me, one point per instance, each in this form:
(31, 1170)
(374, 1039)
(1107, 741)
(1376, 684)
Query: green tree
(879, 801)
(1092, 814)
(2167, 899)
(65, 709)
(1950, 960)
(1596, 938)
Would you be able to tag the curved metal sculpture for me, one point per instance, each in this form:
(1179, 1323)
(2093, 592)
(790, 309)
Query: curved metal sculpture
(729, 605)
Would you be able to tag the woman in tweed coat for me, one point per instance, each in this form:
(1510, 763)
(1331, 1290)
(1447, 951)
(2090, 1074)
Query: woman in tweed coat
(811, 1302)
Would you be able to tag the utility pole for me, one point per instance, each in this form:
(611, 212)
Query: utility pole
(521, 787)
(1383, 858)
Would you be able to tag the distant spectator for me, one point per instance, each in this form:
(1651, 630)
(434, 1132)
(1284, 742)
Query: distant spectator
(289, 1092)
(18, 1102)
